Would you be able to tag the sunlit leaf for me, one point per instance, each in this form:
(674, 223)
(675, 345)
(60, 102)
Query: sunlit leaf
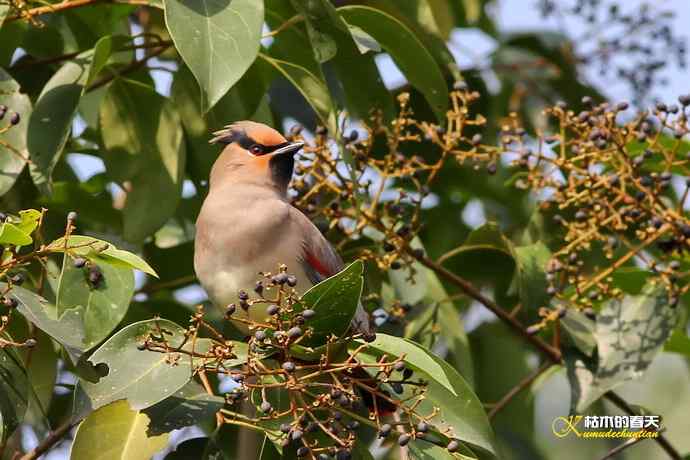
(115, 432)
(217, 39)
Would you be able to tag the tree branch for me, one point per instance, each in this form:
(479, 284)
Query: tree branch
(49, 442)
(68, 5)
(621, 447)
(527, 381)
(131, 67)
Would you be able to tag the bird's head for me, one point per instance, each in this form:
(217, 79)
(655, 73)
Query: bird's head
(254, 153)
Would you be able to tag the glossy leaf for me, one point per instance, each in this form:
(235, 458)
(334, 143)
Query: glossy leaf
(629, 333)
(407, 51)
(145, 148)
(99, 250)
(530, 275)
(319, 15)
(142, 377)
(189, 406)
(50, 123)
(335, 301)
(13, 158)
(461, 411)
(312, 88)
(115, 432)
(102, 304)
(218, 40)
(13, 392)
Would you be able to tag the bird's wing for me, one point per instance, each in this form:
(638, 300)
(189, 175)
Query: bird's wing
(320, 261)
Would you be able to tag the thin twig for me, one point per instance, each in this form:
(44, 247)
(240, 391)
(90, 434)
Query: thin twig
(621, 447)
(68, 5)
(49, 442)
(625, 407)
(527, 381)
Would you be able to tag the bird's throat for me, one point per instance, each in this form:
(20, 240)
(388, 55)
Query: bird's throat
(281, 169)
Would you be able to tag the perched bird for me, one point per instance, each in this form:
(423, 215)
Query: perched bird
(247, 225)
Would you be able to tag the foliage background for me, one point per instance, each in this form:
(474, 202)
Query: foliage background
(102, 107)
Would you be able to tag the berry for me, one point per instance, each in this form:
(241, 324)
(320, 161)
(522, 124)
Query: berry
(491, 169)
(308, 314)
(343, 454)
(260, 335)
(17, 279)
(288, 366)
(292, 280)
(321, 130)
(354, 135)
(15, 119)
(385, 430)
(296, 435)
(294, 332)
(404, 439)
(302, 451)
(230, 310)
(622, 106)
(259, 287)
(285, 428)
(266, 407)
(476, 139)
(242, 295)
(684, 99)
(10, 302)
(453, 446)
(141, 346)
(397, 387)
(399, 366)
(422, 427)
(79, 262)
(30, 343)
(95, 275)
(407, 373)
(280, 278)
(72, 216)
(272, 310)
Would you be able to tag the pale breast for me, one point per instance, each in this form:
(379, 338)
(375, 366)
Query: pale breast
(236, 240)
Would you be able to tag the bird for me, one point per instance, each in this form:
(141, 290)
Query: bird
(247, 225)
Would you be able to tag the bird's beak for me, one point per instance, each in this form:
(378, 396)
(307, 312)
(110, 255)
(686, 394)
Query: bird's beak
(290, 148)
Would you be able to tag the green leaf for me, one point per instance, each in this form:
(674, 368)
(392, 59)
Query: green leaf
(115, 432)
(217, 39)
(439, 315)
(309, 85)
(144, 148)
(530, 275)
(318, 15)
(13, 158)
(142, 377)
(630, 332)
(69, 330)
(50, 123)
(363, 40)
(679, 342)
(102, 305)
(407, 51)
(100, 251)
(102, 51)
(13, 392)
(10, 234)
(335, 301)
(189, 406)
(428, 451)
(461, 411)
(580, 329)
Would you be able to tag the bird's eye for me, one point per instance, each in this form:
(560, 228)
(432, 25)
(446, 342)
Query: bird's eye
(257, 149)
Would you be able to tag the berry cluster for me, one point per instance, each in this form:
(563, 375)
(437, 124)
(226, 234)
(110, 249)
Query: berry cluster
(313, 401)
